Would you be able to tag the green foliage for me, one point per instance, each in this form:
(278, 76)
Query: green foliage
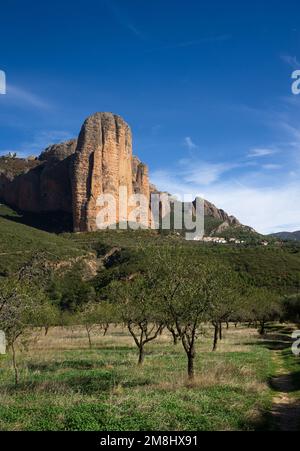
(274, 267)
(242, 233)
(291, 308)
(69, 292)
(22, 305)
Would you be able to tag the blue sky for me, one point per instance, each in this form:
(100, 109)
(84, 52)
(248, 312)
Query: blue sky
(205, 87)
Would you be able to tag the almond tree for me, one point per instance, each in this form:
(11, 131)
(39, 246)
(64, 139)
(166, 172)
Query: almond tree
(185, 287)
(138, 309)
(264, 306)
(96, 316)
(20, 309)
(226, 301)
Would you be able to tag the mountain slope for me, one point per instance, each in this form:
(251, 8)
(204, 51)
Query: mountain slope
(294, 236)
(19, 243)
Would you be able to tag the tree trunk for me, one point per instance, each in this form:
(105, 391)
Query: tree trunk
(105, 329)
(191, 371)
(216, 335)
(89, 337)
(15, 363)
(227, 325)
(46, 330)
(175, 337)
(262, 328)
(220, 331)
(141, 355)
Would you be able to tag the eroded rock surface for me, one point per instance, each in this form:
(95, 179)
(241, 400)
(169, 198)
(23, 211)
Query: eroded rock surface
(69, 177)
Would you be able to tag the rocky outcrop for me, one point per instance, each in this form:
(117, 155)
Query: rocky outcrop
(211, 210)
(59, 152)
(45, 187)
(102, 163)
(70, 177)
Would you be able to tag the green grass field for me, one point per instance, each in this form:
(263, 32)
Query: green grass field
(66, 386)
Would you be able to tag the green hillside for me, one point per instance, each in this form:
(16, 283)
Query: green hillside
(19, 243)
(273, 266)
(276, 267)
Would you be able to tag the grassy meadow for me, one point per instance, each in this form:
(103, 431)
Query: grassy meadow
(250, 383)
(65, 385)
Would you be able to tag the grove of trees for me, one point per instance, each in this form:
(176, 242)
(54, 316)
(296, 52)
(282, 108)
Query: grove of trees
(171, 288)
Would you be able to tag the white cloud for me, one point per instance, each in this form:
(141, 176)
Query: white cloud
(260, 152)
(201, 172)
(18, 96)
(267, 209)
(188, 142)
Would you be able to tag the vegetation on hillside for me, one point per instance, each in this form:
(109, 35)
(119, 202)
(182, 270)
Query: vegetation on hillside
(163, 290)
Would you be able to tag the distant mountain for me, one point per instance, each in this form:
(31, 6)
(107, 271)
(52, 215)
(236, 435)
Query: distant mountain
(294, 236)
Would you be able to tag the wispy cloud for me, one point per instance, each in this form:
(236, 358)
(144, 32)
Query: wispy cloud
(192, 173)
(204, 40)
(122, 17)
(192, 43)
(266, 208)
(39, 142)
(260, 152)
(292, 61)
(271, 166)
(189, 143)
(202, 172)
(264, 196)
(19, 96)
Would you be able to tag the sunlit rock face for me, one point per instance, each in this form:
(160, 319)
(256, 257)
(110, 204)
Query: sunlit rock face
(69, 177)
(102, 164)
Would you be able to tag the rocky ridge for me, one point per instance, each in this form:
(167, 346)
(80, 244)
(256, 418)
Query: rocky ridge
(70, 176)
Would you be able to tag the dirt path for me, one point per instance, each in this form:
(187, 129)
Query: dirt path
(285, 410)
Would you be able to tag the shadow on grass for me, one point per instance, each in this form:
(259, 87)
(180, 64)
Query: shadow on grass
(56, 222)
(87, 384)
(285, 414)
(51, 367)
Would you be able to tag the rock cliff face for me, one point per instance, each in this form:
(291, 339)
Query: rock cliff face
(44, 186)
(211, 210)
(102, 163)
(69, 177)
